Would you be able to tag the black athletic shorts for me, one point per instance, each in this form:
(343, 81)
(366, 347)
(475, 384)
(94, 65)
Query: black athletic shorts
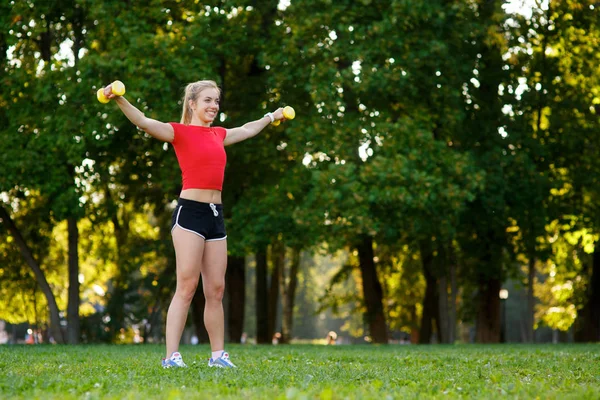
(203, 219)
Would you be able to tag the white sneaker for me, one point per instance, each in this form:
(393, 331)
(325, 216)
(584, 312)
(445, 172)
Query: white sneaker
(221, 362)
(174, 361)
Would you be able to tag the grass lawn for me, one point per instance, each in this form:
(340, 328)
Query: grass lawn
(304, 372)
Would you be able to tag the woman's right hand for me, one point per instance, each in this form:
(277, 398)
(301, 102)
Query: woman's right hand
(278, 114)
(108, 92)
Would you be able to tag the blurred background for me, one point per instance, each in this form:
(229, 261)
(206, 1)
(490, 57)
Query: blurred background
(438, 185)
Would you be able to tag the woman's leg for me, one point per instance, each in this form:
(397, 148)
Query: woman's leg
(189, 248)
(214, 264)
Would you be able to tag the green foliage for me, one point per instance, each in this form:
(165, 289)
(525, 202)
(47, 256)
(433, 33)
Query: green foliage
(366, 102)
(554, 74)
(21, 299)
(404, 287)
(561, 291)
(416, 121)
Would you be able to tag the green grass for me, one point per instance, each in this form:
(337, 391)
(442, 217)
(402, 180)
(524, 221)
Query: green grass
(304, 372)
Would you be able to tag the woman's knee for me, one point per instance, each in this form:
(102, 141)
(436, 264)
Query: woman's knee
(186, 288)
(214, 291)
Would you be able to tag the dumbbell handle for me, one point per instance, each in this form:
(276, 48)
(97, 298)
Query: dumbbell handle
(288, 113)
(117, 88)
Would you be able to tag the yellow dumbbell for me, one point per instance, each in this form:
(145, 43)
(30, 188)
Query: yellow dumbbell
(117, 88)
(288, 113)
(101, 97)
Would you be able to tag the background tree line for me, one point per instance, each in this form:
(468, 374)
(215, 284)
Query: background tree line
(444, 147)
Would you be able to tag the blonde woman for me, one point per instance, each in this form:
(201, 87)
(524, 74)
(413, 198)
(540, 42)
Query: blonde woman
(198, 229)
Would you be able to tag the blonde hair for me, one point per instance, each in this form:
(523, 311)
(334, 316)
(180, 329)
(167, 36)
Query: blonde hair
(192, 91)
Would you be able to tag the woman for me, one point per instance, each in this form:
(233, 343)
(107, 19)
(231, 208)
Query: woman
(198, 228)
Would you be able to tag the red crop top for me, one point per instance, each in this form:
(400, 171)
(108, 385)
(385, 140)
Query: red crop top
(201, 155)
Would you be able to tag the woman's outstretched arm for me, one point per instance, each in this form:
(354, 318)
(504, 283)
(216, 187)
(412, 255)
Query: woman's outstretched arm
(157, 129)
(250, 129)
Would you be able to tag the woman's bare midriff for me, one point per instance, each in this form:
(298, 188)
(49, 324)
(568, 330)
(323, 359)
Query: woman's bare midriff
(202, 195)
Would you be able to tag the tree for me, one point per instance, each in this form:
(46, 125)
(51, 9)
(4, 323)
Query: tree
(29, 258)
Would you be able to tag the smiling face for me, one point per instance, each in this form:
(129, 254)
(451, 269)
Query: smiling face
(206, 107)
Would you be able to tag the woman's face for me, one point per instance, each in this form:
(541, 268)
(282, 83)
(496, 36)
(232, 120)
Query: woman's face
(206, 106)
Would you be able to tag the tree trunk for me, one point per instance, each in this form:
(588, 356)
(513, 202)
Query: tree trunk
(489, 280)
(443, 315)
(55, 329)
(278, 259)
(198, 304)
(414, 330)
(73, 326)
(73, 321)
(262, 306)
(116, 295)
(453, 296)
(372, 292)
(288, 294)
(588, 320)
(35, 313)
(236, 289)
(488, 313)
(563, 336)
(443, 306)
(430, 301)
(529, 332)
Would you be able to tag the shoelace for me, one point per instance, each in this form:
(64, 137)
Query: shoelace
(177, 358)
